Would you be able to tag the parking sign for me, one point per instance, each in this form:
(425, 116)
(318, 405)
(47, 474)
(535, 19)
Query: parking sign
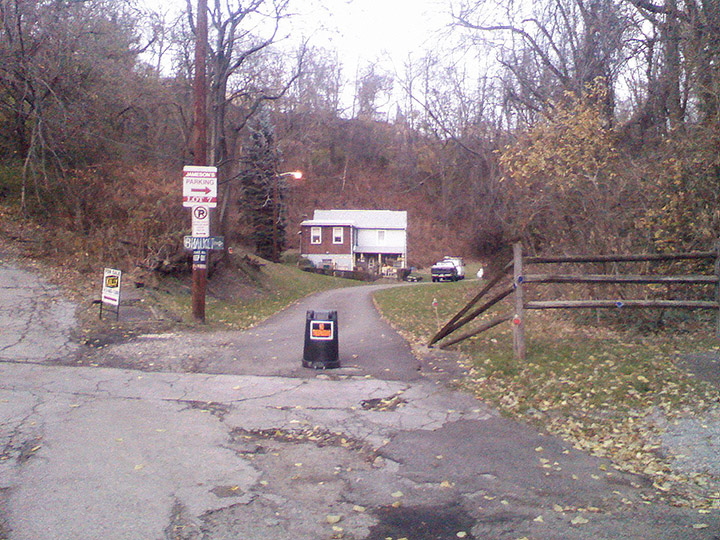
(199, 186)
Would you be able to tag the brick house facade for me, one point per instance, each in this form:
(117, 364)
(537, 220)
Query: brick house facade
(371, 240)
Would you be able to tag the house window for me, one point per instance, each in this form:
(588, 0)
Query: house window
(315, 235)
(338, 235)
(381, 238)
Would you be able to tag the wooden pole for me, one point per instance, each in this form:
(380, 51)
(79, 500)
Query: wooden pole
(518, 317)
(276, 216)
(200, 145)
(717, 286)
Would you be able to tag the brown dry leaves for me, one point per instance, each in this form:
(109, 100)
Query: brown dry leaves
(608, 394)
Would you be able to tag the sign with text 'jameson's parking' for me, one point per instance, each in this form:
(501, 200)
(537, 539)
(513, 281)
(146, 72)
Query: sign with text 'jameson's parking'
(199, 186)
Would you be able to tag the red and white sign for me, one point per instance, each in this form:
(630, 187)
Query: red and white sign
(322, 330)
(199, 186)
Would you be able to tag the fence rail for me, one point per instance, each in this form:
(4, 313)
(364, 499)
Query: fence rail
(572, 304)
(454, 323)
(647, 257)
(607, 278)
(520, 281)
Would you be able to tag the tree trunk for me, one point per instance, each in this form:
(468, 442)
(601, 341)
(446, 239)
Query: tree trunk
(671, 77)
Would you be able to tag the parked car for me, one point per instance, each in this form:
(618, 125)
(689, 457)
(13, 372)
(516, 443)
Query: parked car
(449, 269)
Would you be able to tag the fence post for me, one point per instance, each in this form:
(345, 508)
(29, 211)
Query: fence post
(519, 317)
(717, 286)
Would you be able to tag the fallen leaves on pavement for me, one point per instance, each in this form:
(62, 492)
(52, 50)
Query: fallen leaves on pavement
(608, 392)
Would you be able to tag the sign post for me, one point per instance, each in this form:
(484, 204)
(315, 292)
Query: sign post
(200, 194)
(200, 147)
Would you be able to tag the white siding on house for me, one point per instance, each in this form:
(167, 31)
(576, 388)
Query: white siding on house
(341, 262)
(367, 241)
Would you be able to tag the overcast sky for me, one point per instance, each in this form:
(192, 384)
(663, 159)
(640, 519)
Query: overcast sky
(363, 30)
(385, 32)
(367, 30)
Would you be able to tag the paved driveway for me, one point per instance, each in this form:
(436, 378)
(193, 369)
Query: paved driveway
(196, 435)
(368, 345)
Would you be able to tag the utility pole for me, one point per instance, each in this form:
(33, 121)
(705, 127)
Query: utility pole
(200, 144)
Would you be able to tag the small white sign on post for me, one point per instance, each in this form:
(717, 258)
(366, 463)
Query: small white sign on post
(200, 221)
(111, 290)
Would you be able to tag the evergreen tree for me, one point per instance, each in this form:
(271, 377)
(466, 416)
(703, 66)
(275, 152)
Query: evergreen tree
(262, 201)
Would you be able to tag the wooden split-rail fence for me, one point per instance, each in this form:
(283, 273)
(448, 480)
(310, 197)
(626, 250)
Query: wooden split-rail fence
(521, 280)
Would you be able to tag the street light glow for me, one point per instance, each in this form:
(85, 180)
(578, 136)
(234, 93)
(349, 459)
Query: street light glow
(297, 175)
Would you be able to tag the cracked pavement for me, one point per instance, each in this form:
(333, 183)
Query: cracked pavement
(224, 435)
(34, 318)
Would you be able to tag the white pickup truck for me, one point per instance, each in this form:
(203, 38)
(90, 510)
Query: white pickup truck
(449, 269)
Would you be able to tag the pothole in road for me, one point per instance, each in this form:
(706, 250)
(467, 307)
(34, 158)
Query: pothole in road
(216, 409)
(383, 404)
(317, 436)
(224, 492)
(422, 523)
(25, 450)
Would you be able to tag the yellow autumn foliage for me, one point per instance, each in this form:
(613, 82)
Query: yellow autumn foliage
(566, 180)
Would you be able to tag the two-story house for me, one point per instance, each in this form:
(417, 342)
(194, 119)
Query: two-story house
(371, 240)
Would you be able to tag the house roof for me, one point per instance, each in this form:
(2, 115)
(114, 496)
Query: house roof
(327, 223)
(360, 219)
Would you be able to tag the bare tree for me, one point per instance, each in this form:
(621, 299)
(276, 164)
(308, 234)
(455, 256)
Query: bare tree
(548, 48)
(65, 69)
(373, 89)
(241, 39)
(319, 85)
(682, 62)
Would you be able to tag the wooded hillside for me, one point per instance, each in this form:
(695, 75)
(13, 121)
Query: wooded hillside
(589, 125)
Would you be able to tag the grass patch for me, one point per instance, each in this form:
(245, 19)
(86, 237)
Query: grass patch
(411, 309)
(277, 286)
(607, 391)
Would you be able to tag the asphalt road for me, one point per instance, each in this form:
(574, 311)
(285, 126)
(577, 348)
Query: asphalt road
(225, 435)
(368, 345)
